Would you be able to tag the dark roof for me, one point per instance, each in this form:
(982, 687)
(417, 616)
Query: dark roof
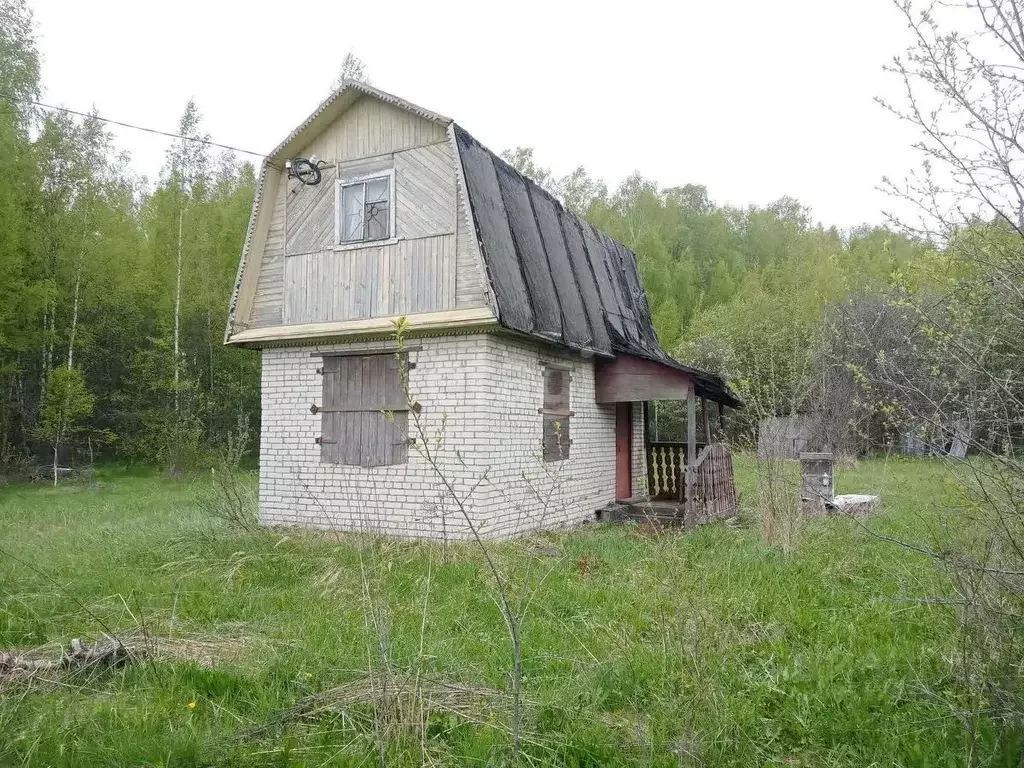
(556, 276)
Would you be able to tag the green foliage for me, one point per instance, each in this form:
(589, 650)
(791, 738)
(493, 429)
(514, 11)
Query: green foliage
(66, 404)
(129, 282)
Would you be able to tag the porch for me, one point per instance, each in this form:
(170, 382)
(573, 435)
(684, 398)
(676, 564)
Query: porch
(688, 482)
(672, 501)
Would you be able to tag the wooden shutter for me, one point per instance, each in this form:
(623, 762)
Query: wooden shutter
(330, 422)
(556, 413)
(358, 394)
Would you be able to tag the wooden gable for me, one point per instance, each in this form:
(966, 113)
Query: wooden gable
(298, 272)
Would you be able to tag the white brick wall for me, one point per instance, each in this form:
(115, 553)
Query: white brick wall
(479, 395)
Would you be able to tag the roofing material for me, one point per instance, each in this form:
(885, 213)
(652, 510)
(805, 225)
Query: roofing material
(557, 277)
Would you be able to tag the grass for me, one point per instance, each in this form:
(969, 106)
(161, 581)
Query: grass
(700, 649)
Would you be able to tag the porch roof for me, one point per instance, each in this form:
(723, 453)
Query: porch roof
(631, 377)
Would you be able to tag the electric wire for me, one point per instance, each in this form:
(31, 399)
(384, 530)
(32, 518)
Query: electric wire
(134, 126)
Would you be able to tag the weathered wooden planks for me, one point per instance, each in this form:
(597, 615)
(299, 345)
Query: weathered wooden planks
(403, 278)
(425, 194)
(634, 379)
(371, 135)
(310, 217)
(372, 127)
(364, 421)
(267, 302)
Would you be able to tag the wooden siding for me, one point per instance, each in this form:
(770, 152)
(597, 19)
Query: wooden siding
(424, 198)
(266, 309)
(372, 127)
(469, 271)
(309, 223)
(407, 277)
(432, 265)
(425, 191)
(471, 285)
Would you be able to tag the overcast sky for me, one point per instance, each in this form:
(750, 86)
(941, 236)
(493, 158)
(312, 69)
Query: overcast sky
(753, 99)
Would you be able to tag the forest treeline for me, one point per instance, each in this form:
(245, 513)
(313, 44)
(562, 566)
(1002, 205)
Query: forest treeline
(763, 296)
(114, 289)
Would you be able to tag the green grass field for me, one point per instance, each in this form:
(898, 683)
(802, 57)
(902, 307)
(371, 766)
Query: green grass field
(702, 649)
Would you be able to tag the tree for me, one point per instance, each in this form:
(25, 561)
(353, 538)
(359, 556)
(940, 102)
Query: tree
(66, 404)
(352, 68)
(964, 94)
(21, 293)
(522, 159)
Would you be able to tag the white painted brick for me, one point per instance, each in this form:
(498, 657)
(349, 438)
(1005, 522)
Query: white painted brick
(486, 390)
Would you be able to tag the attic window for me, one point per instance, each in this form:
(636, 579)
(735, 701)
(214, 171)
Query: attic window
(365, 208)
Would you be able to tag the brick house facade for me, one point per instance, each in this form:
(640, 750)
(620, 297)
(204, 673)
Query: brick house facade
(487, 390)
(527, 343)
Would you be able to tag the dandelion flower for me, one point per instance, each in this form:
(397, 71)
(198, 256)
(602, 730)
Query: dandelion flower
(192, 704)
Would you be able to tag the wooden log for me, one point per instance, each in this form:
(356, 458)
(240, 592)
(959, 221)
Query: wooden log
(109, 652)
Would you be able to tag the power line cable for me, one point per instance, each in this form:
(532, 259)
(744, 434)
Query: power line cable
(133, 126)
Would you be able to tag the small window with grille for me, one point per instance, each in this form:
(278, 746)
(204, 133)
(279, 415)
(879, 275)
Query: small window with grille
(365, 208)
(556, 414)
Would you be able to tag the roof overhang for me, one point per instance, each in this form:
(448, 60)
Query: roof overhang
(631, 379)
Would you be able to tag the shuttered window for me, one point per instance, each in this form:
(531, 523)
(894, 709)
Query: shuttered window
(556, 414)
(358, 394)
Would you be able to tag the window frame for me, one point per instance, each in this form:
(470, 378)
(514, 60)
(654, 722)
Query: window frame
(363, 179)
(551, 414)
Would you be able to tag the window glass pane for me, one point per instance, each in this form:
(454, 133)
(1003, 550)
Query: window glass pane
(352, 228)
(352, 212)
(378, 219)
(377, 190)
(555, 436)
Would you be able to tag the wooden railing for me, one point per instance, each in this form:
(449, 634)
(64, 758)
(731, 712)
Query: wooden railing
(714, 486)
(665, 464)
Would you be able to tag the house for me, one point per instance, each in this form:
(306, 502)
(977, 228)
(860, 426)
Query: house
(514, 396)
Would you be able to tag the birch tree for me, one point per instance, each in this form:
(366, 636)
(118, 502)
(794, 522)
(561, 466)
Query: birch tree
(66, 404)
(188, 167)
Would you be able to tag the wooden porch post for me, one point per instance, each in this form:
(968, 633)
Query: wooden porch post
(707, 423)
(691, 457)
(647, 449)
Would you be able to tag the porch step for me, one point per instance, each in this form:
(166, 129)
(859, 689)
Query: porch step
(663, 513)
(668, 513)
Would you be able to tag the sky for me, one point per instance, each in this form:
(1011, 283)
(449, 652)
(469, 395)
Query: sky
(753, 99)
